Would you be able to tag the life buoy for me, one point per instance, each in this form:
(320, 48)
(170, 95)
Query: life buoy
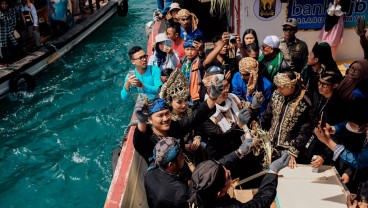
(28, 79)
(122, 8)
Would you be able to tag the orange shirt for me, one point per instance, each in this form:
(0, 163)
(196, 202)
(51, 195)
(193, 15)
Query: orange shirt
(178, 47)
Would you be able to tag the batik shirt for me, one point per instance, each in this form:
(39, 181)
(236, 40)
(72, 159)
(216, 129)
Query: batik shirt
(7, 25)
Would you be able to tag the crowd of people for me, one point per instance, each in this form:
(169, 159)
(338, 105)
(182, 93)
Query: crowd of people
(200, 109)
(24, 22)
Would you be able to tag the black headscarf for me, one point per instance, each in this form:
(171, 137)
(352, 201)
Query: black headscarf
(349, 83)
(207, 180)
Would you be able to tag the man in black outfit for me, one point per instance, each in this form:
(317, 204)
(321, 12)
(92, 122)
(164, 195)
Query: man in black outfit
(211, 181)
(163, 189)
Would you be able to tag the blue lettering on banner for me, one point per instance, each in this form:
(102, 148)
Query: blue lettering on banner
(311, 14)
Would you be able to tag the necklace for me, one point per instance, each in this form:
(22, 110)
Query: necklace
(324, 105)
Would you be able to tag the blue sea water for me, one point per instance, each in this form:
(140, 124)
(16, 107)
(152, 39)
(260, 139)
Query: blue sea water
(56, 144)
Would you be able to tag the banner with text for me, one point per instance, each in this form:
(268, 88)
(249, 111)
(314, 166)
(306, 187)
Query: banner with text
(311, 13)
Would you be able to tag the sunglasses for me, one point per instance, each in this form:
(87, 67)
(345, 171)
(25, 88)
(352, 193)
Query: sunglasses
(184, 19)
(142, 58)
(245, 75)
(288, 29)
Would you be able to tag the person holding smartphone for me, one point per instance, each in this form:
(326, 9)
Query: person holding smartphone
(144, 78)
(173, 33)
(163, 56)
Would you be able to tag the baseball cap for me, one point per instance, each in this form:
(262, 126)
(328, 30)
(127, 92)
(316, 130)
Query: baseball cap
(291, 22)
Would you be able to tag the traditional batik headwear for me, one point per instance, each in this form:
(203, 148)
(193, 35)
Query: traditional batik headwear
(283, 80)
(176, 87)
(183, 13)
(165, 151)
(249, 65)
(158, 105)
(330, 76)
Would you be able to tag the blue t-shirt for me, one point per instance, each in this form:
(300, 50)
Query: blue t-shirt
(151, 81)
(263, 85)
(191, 34)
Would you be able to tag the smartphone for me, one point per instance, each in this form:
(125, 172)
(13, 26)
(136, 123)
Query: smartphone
(361, 24)
(131, 73)
(168, 43)
(198, 38)
(226, 68)
(322, 121)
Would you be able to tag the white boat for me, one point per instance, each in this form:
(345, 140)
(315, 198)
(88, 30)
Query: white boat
(127, 186)
(24, 69)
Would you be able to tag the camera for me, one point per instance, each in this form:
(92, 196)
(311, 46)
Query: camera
(232, 38)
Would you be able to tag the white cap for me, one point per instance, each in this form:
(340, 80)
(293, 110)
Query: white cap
(272, 41)
(161, 37)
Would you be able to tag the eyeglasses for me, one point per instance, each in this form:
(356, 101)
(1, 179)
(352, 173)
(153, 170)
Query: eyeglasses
(288, 29)
(353, 68)
(142, 58)
(324, 85)
(245, 75)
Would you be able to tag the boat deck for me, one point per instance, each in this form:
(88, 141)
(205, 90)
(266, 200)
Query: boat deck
(53, 49)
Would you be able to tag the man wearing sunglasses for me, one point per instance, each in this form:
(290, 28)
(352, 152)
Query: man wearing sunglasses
(295, 50)
(146, 79)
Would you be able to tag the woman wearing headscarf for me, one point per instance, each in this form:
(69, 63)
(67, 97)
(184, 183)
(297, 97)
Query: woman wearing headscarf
(355, 82)
(163, 56)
